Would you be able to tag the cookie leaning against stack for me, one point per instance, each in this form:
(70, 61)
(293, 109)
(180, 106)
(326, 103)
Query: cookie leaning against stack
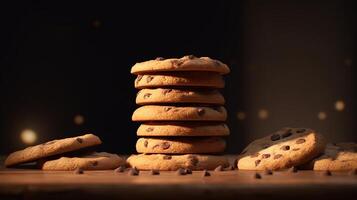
(181, 112)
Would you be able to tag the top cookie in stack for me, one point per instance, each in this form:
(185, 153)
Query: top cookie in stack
(181, 112)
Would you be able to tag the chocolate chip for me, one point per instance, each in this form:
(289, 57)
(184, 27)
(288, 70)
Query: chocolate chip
(205, 173)
(300, 130)
(167, 109)
(300, 141)
(78, 171)
(353, 172)
(287, 134)
(257, 162)
(167, 91)
(293, 169)
(154, 172)
(133, 171)
(285, 148)
(95, 163)
(188, 171)
(268, 172)
(166, 157)
(146, 143)
(149, 78)
(257, 176)
(327, 173)
(149, 129)
(254, 155)
(138, 79)
(193, 160)
(159, 58)
(200, 111)
(80, 140)
(296, 149)
(165, 145)
(275, 137)
(219, 168)
(180, 172)
(266, 155)
(120, 169)
(147, 95)
(277, 156)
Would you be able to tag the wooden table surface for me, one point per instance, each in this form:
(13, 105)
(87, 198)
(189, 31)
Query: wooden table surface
(37, 184)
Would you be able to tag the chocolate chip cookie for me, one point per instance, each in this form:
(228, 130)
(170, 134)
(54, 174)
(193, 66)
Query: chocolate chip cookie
(175, 162)
(336, 157)
(180, 145)
(51, 148)
(179, 113)
(283, 149)
(91, 161)
(179, 79)
(169, 96)
(186, 63)
(183, 129)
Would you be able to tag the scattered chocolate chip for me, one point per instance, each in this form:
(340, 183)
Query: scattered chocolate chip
(133, 171)
(285, 148)
(353, 172)
(296, 149)
(254, 155)
(165, 145)
(180, 172)
(188, 171)
(219, 168)
(201, 111)
(205, 173)
(78, 171)
(80, 140)
(268, 172)
(266, 155)
(166, 157)
(167, 91)
(257, 162)
(149, 78)
(229, 168)
(300, 130)
(327, 173)
(300, 141)
(120, 169)
(159, 58)
(277, 156)
(95, 163)
(286, 134)
(293, 169)
(146, 143)
(167, 109)
(257, 176)
(138, 79)
(147, 95)
(154, 172)
(193, 160)
(149, 129)
(275, 137)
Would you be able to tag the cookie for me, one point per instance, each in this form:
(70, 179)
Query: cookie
(92, 161)
(186, 63)
(51, 148)
(283, 149)
(178, 79)
(179, 113)
(183, 129)
(164, 96)
(336, 157)
(175, 162)
(179, 145)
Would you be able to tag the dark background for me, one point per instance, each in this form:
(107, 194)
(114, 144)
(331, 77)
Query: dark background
(290, 60)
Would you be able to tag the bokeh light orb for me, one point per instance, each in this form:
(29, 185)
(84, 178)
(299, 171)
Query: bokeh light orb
(28, 136)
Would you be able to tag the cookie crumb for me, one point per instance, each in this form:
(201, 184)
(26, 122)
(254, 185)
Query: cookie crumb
(180, 172)
(120, 169)
(257, 176)
(206, 173)
(293, 169)
(327, 173)
(268, 172)
(154, 172)
(219, 168)
(78, 171)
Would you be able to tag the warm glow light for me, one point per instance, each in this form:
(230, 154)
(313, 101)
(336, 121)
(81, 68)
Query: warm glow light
(28, 136)
(263, 114)
(339, 105)
(241, 115)
(78, 119)
(321, 115)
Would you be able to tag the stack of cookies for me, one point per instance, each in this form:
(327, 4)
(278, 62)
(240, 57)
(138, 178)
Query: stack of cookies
(181, 112)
